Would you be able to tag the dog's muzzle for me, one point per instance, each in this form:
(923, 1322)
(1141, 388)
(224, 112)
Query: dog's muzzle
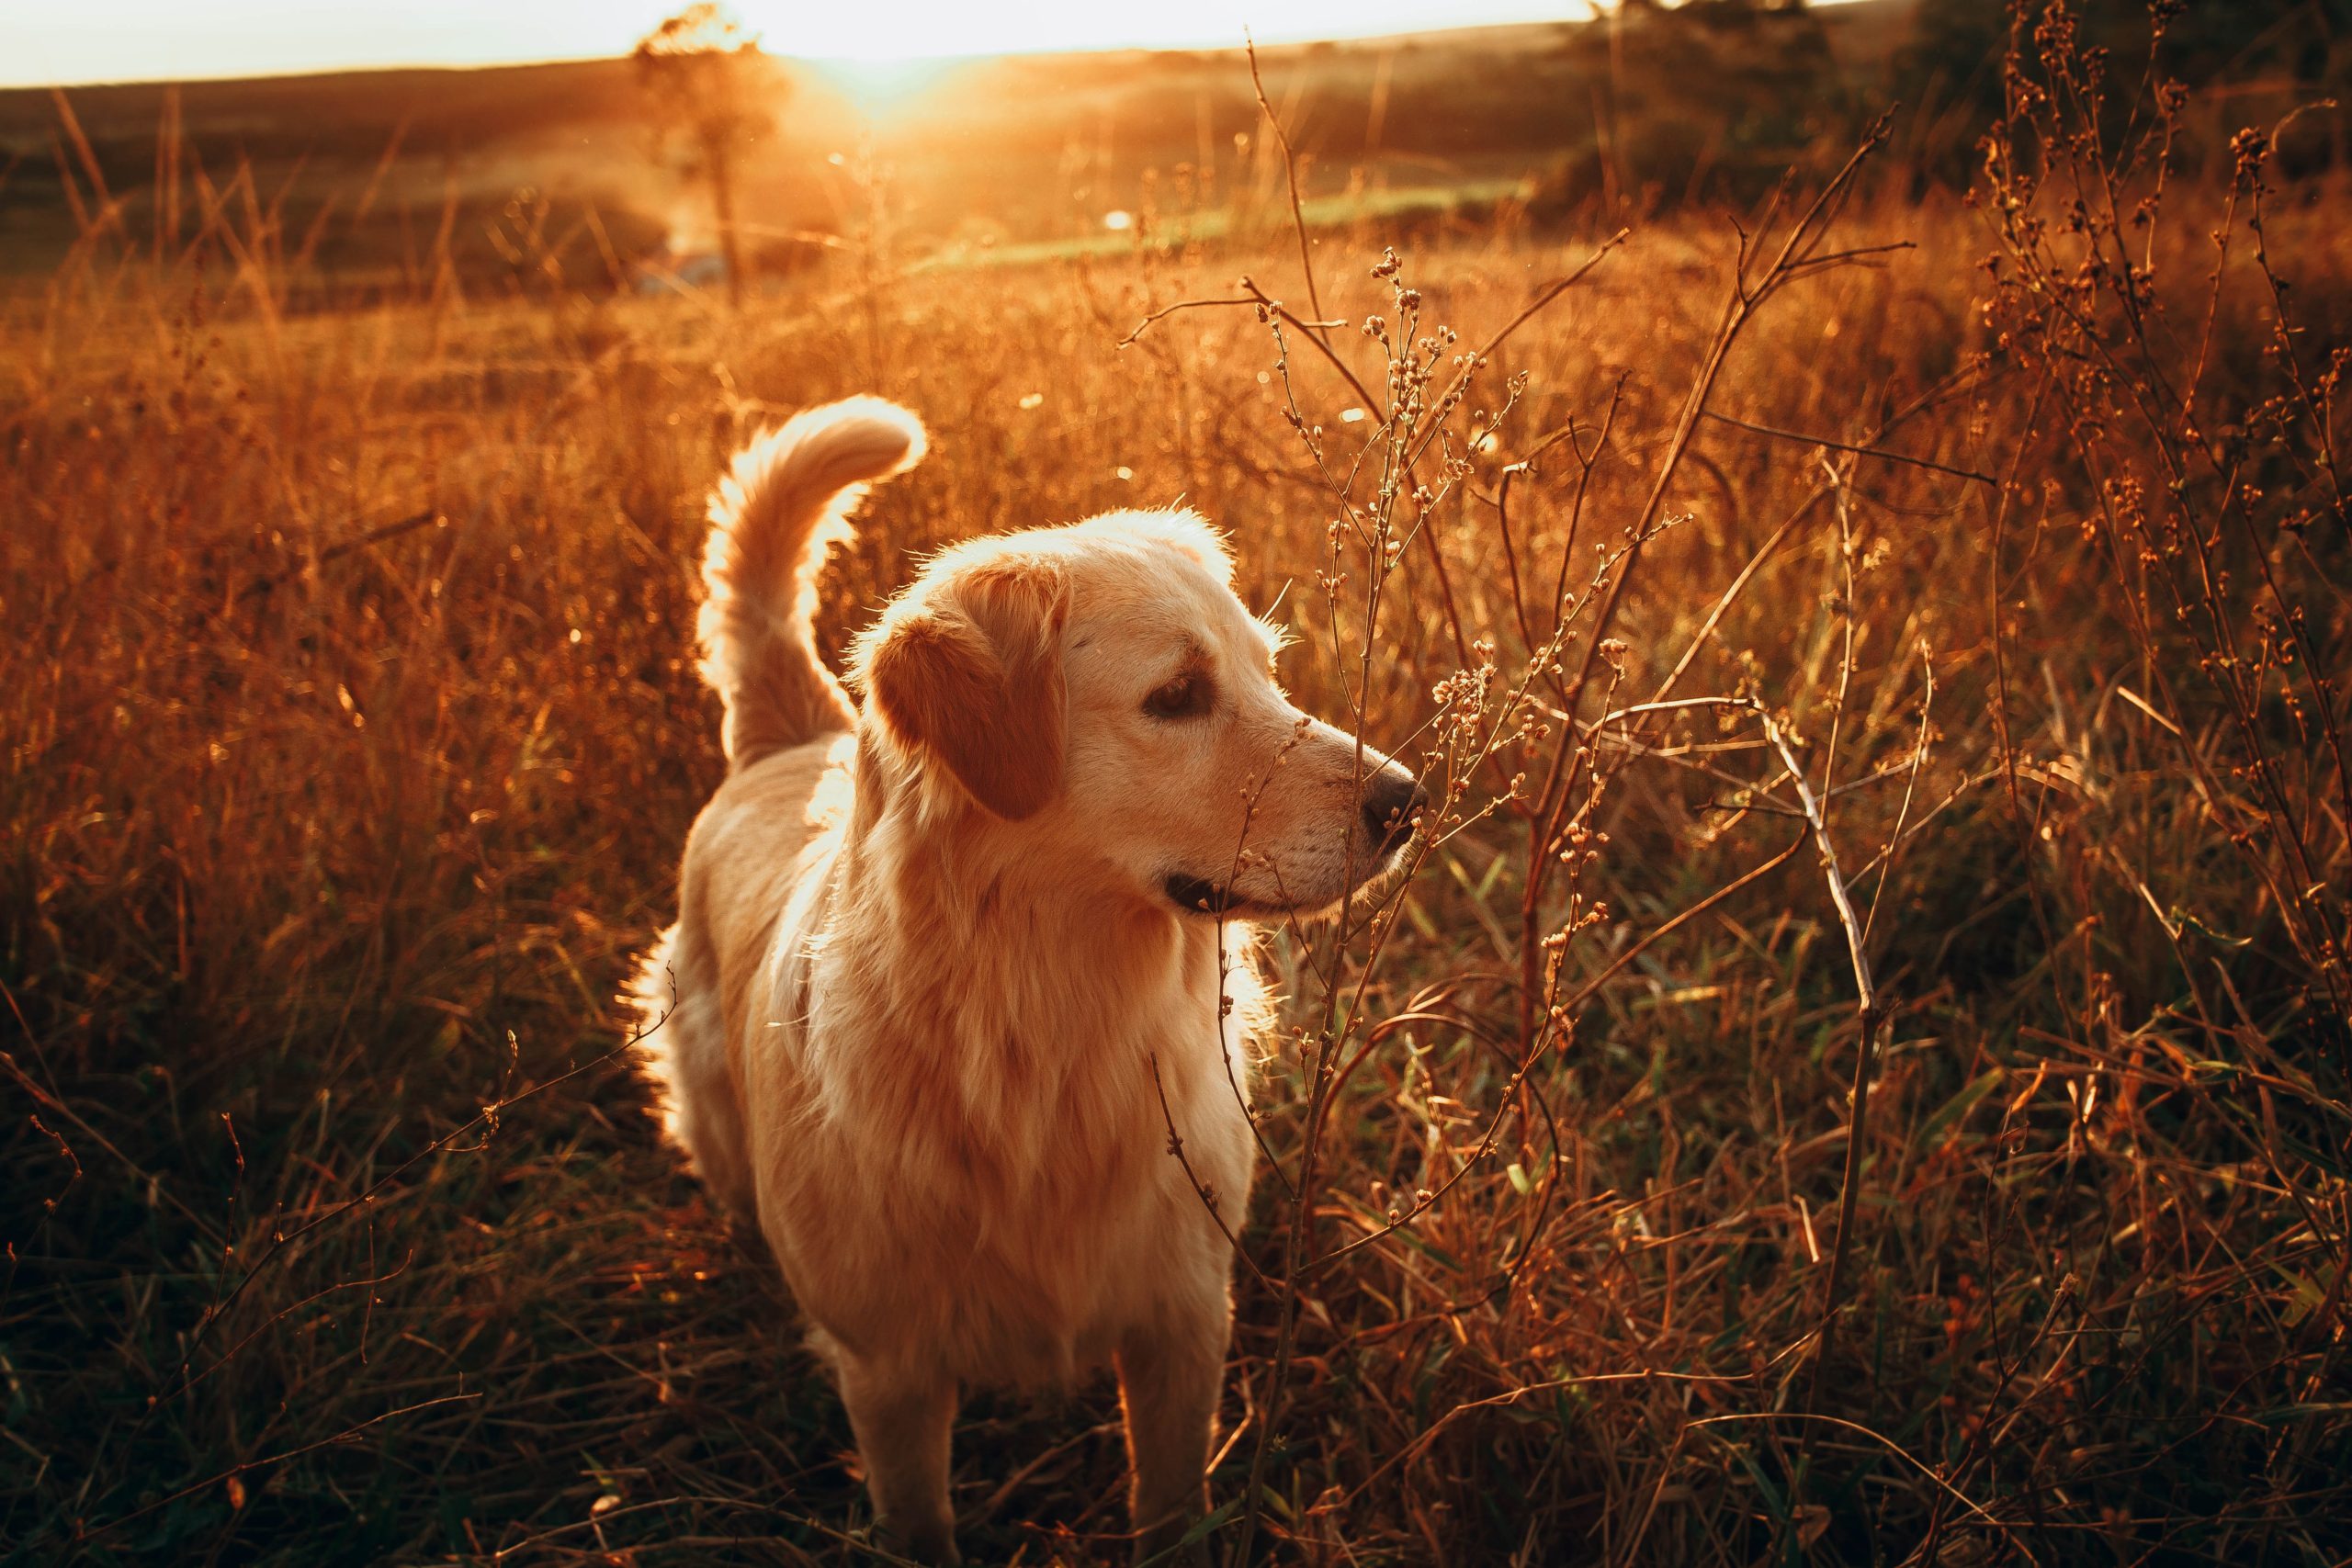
(1393, 801)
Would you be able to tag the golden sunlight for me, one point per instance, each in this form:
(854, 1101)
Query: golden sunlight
(878, 84)
(900, 31)
(1737, 457)
(125, 40)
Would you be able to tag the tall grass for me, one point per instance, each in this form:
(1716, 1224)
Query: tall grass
(1858, 1074)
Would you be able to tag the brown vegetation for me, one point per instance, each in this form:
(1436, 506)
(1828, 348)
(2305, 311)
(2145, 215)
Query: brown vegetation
(1860, 1075)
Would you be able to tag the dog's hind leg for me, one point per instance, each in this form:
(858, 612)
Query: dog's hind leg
(903, 1420)
(683, 1042)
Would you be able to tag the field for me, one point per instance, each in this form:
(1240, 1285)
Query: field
(507, 178)
(1858, 1075)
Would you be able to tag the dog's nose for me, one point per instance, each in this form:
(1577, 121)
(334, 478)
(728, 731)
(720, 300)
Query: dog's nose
(1391, 797)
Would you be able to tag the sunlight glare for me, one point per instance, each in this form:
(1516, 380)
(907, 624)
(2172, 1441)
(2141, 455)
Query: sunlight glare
(879, 83)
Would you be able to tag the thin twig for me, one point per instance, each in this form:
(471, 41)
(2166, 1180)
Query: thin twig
(1208, 1195)
(1878, 452)
(209, 1482)
(334, 551)
(1871, 1010)
(1290, 173)
(1903, 813)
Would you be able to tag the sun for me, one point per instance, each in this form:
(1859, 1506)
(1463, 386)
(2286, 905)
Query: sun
(877, 83)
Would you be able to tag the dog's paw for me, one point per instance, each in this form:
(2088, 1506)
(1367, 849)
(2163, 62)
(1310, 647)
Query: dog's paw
(1165, 1546)
(928, 1542)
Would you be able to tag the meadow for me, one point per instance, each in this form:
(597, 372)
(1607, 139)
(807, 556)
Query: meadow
(1858, 1074)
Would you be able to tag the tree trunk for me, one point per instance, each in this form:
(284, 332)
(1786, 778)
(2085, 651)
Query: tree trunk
(718, 161)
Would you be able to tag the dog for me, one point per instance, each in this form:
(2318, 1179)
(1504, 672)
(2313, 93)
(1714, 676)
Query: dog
(958, 1007)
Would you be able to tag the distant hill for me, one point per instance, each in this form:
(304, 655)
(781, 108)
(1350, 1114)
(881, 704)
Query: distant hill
(498, 170)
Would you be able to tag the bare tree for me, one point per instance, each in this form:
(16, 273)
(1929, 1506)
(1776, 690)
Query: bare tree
(710, 88)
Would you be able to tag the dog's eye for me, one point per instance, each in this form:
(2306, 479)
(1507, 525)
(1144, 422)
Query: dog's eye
(1187, 697)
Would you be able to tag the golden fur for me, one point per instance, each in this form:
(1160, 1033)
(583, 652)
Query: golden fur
(930, 953)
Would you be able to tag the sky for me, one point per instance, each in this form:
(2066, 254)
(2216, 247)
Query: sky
(67, 43)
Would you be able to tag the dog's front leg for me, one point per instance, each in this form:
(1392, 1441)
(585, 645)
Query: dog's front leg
(1169, 1376)
(903, 1420)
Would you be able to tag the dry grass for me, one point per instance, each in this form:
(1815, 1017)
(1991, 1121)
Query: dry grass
(350, 735)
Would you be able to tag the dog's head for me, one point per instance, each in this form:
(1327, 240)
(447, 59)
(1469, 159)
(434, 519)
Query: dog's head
(1101, 688)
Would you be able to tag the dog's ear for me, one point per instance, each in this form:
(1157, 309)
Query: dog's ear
(971, 675)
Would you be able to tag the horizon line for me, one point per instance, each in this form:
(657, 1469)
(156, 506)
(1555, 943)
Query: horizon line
(941, 58)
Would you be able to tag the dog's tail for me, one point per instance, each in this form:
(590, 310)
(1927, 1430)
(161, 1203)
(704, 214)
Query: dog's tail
(782, 504)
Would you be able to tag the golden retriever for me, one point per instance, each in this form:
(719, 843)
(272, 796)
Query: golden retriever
(950, 966)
